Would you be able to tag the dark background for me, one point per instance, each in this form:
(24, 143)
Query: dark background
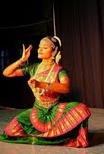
(79, 24)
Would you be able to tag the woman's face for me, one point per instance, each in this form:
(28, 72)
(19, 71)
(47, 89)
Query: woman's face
(45, 49)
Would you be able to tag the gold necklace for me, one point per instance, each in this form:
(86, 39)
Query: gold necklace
(37, 91)
(43, 66)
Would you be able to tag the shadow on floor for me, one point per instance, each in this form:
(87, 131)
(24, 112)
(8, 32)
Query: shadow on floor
(96, 138)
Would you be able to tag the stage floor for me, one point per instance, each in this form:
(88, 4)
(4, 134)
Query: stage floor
(96, 127)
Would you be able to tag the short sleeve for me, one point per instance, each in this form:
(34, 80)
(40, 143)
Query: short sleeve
(29, 69)
(62, 73)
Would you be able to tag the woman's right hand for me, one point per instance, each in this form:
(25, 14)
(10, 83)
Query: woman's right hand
(33, 83)
(26, 53)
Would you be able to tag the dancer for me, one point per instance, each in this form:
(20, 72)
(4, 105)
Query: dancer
(49, 121)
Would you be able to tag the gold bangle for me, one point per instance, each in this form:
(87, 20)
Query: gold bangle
(21, 62)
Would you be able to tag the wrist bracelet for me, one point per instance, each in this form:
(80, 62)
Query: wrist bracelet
(21, 62)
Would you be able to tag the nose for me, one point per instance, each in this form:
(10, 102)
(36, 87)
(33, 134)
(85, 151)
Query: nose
(39, 50)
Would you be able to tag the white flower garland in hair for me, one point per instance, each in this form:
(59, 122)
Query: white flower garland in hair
(58, 39)
(58, 55)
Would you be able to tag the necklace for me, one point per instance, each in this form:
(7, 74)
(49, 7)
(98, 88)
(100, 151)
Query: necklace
(43, 66)
(37, 92)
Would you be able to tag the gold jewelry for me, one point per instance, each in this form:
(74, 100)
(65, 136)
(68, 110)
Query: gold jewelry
(37, 92)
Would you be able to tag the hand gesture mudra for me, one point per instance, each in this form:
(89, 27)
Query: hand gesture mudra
(33, 83)
(26, 53)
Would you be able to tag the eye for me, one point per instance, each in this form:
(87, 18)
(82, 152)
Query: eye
(45, 48)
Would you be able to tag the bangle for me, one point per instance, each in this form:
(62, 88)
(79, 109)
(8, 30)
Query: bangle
(21, 62)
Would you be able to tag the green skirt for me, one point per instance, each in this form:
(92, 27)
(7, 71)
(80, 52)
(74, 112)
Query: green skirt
(59, 124)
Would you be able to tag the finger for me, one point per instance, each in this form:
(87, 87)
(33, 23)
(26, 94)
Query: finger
(23, 47)
(32, 81)
(29, 48)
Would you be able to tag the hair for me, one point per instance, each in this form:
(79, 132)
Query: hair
(55, 41)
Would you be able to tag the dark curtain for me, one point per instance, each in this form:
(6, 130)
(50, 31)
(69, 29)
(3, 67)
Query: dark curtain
(80, 25)
(21, 23)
